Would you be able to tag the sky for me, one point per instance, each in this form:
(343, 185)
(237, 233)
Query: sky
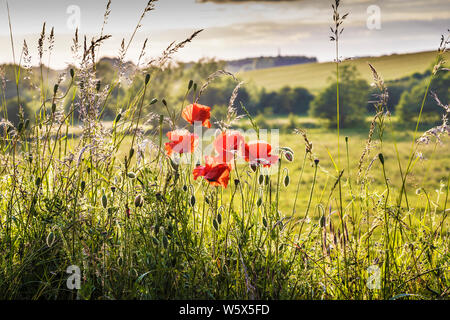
(233, 28)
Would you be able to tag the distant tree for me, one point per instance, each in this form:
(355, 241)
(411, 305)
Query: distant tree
(301, 100)
(220, 91)
(286, 100)
(354, 94)
(395, 92)
(266, 100)
(410, 102)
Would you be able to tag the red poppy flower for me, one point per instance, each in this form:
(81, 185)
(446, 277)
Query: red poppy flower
(217, 174)
(197, 113)
(259, 152)
(227, 144)
(181, 141)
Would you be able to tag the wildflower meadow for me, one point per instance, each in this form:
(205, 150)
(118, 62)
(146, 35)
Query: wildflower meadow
(168, 201)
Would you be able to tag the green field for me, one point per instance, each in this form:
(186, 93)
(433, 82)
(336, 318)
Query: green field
(315, 76)
(429, 173)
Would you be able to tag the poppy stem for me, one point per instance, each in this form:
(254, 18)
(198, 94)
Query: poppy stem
(309, 202)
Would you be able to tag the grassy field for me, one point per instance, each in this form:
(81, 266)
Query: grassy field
(429, 173)
(315, 76)
(109, 213)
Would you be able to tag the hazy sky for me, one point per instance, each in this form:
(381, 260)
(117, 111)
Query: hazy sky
(233, 29)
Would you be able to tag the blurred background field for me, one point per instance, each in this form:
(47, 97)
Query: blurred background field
(314, 76)
(429, 172)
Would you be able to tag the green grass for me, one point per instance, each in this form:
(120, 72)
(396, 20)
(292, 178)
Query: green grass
(139, 226)
(315, 76)
(429, 173)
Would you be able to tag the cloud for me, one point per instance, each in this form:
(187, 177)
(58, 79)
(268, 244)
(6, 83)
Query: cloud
(234, 28)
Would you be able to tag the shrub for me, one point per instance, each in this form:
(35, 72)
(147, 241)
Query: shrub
(286, 100)
(354, 94)
(410, 101)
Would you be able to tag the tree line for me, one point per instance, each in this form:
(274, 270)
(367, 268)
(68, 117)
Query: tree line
(170, 84)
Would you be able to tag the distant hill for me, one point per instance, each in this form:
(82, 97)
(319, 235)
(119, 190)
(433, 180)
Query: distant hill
(314, 76)
(258, 63)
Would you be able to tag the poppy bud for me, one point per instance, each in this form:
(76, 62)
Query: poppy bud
(215, 225)
(259, 202)
(322, 221)
(98, 85)
(261, 179)
(264, 222)
(113, 189)
(147, 79)
(316, 161)
(131, 175)
(219, 218)
(191, 83)
(236, 182)
(192, 201)
(138, 201)
(72, 73)
(289, 156)
(83, 185)
(104, 200)
(131, 153)
(253, 167)
(381, 158)
(53, 108)
(55, 89)
(118, 118)
(153, 101)
(287, 180)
